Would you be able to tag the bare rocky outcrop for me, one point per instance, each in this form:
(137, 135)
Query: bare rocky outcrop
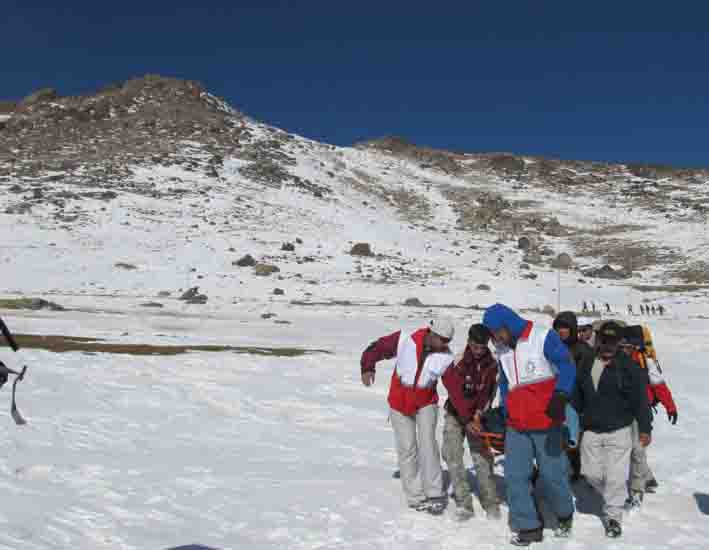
(93, 140)
(607, 272)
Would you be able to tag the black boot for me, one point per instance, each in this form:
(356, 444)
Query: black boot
(527, 537)
(565, 526)
(651, 486)
(613, 529)
(436, 506)
(634, 501)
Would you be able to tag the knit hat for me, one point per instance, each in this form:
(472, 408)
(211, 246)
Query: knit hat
(443, 327)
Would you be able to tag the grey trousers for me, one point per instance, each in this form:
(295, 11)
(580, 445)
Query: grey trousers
(605, 459)
(640, 472)
(418, 454)
(454, 437)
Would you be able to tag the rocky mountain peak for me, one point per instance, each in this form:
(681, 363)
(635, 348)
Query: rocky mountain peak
(93, 140)
(170, 142)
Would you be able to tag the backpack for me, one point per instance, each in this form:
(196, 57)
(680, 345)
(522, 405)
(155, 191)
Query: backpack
(642, 335)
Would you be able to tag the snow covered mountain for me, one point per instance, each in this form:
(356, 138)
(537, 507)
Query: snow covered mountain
(150, 169)
(113, 205)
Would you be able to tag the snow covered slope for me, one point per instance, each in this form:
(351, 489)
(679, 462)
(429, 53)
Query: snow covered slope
(114, 204)
(233, 451)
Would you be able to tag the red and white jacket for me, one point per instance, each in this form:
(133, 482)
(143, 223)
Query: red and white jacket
(530, 380)
(416, 373)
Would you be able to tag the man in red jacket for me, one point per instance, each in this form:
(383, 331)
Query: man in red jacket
(471, 386)
(421, 359)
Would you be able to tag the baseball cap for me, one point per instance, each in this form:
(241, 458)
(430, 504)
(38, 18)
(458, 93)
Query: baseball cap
(443, 327)
(610, 333)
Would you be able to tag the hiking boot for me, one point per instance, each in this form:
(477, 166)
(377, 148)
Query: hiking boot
(527, 537)
(436, 506)
(651, 486)
(634, 501)
(613, 529)
(564, 528)
(419, 506)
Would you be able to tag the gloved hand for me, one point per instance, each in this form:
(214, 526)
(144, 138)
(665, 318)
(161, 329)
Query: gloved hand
(672, 417)
(556, 406)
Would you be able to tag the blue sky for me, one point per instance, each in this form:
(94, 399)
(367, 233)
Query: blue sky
(527, 77)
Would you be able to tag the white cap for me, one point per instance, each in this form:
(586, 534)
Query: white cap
(443, 327)
(585, 322)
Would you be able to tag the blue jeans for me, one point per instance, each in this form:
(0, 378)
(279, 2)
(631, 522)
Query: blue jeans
(521, 450)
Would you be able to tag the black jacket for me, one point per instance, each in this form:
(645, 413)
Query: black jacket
(621, 397)
(583, 355)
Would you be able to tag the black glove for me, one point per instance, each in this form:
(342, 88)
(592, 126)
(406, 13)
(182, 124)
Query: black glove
(556, 406)
(672, 417)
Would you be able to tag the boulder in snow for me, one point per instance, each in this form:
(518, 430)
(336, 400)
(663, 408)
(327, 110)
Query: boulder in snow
(265, 270)
(361, 249)
(245, 261)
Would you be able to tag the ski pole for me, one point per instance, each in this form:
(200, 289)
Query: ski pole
(14, 411)
(8, 335)
(19, 376)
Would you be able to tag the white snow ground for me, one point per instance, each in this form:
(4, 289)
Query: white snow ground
(238, 451)
(234, 451)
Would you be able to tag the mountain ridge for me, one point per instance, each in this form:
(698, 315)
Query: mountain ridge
(158, 148)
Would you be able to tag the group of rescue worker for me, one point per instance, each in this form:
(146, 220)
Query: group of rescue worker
(575, 405)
